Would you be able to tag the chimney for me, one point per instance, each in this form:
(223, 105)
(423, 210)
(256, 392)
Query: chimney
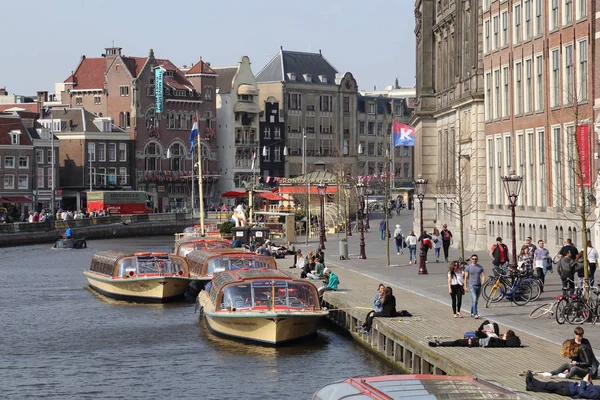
(3, 91)
(42, 96)
(111, 54)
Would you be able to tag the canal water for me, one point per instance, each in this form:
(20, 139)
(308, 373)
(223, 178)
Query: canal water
(60, 340)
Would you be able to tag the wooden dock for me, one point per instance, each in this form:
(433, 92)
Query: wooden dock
(404, 341)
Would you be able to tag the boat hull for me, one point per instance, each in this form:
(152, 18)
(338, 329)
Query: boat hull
(157, 289)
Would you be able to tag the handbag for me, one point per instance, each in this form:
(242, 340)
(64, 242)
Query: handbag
(462, 290)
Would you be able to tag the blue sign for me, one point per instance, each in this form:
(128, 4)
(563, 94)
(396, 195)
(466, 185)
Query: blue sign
(158, 89)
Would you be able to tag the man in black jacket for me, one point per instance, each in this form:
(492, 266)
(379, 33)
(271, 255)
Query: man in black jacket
(499, 253)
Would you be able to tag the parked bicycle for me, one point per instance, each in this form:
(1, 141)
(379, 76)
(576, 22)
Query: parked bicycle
(518, 292)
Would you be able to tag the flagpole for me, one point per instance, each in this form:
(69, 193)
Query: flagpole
(251, 192)
(193, 184)
(200, 189)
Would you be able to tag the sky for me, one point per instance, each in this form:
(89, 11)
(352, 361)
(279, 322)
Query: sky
(44, 41)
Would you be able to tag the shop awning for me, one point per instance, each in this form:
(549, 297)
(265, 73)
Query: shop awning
(247, 107)
(17, 199)
(271, 196)
(234, 194)
(302, 189)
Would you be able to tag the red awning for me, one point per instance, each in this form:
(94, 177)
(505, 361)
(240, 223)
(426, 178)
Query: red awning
(271, 196)
(234, 194)
(17, 199)
(302, 189)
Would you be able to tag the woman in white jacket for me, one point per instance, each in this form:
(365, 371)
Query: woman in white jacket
(592, 260)
(411, 242)
(438, 242)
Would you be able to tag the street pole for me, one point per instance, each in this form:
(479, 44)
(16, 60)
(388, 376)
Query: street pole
(322, 190)
(367, 225)
(348, 229)
(193, 184)
(52, 195)
(307, 186)
(420, 188)
(514, 236)
(361, 206)
(90, 158)
(200, 188)
(512, 185)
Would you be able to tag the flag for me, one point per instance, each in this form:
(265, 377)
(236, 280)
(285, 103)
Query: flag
(403, 135)
(193, 133)
(253, 158)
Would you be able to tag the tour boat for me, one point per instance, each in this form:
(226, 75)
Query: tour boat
(186, 245)
(263, 305)
(391, 387)
(204, 264)
(145, 277)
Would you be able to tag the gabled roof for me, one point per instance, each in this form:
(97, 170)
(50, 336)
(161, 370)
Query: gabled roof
(201, 68)
(178, 81)
(9, 123)
(81, 120)
(299, 63)
(135, 64)
(225, 77)
(89, 74)
(384, 105)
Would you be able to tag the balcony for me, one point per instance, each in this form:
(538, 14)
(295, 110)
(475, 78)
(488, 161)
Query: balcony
(242, 163)
(246, 143)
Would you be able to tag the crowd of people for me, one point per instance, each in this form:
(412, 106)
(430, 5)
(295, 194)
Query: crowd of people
(438, 240)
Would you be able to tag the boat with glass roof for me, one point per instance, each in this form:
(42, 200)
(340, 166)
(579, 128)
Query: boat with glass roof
(189, 244)
(144, 277)
(261, 305)
(204, 264)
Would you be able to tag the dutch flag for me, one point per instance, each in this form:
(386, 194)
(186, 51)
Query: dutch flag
(193, 133)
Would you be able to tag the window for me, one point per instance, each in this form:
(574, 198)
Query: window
(152, 157)
(557, 168)
(581, 9)
(490, 160)
(23, 162)
(102, 176)
(150, 88)
(267, 133)
(497, 102)
(569, 77)
(326, 103)
(92, 151)
(488, 96)
(123, 175)
(127, 119)
(486, 39)
(176, 157)
(112, 176)
(9, 181)
(50, 177)
(568, 12)
(112, 152)
(49, 159)
(380, 128)
(40, 178)
(555, 79)
(101, 151)
(23, 182)
(121, 120)
(346, 104)
(277, 154)
(528, 22)
(294, 101)
(553, 14)
(78, 101)
(9, 162)
(538, 17)
(97, 100)
(122, 151)
(517, 24)
(528, 86)
(371, 128)
(542, 168)
(506, 91)
(496, 40)
(124, 91)
(518, 88)
(267, 154)
(39, 156)
(582, 74)
(361, 128)
(539, 83)
(208, 93)
(277, 133)
(15, 137)
(504, 40)
(507, 151)
(371, 108)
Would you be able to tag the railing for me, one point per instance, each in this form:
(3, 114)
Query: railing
(246, 142)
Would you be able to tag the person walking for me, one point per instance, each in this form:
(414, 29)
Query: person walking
(456, 282)
(383, 228)
(592, 254)
(499, 253)
(539, 256)
(399, 240)
(567, 273)
(438, 242)
(411, 242)
(474, 277)
(569, 248)
(446, 239)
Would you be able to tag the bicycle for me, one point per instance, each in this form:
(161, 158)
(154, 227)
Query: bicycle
(519, 293)
(580, 309)
(549, 309)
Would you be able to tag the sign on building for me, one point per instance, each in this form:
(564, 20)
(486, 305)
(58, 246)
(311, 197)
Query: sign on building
(158, 89)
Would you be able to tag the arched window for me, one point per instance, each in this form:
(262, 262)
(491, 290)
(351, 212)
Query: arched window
(556, 238)
(171, 121)
(208, 118)
(152, 156)
(573, 235)
(177, 157)
(545, 234)
(127, 120)
(178, 121)
(184, 122)
(122, 120)
(561, 236)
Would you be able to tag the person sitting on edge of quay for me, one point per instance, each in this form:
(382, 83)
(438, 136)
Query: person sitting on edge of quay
(299, 260)
(330, 282)
(318, 272)
(388, 310)
(236, 243)
(583, 361)
(411, 242)
(456, 283)
(399, 240)
(378, 300)
(577, 390)
(474, 278)
(309, 265)
(446, 239)
(319, 253)
(493, 339)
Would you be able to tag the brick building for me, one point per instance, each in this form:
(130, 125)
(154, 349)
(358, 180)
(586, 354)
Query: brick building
(538, 78)
(123, 88)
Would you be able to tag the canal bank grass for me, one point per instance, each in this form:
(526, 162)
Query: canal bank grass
(404, 341)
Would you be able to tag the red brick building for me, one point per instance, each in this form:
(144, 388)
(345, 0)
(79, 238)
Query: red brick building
(539, 86)
(123, 88)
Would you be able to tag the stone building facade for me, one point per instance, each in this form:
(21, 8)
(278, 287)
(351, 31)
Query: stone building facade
(449, 116)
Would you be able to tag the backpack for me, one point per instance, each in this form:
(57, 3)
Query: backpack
(446, 236)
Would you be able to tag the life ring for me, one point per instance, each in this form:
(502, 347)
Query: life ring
(142, 254)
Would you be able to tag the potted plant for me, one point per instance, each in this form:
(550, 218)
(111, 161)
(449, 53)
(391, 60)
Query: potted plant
(225, 229)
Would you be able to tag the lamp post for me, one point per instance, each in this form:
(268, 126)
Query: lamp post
(348, 228)
(360, 189)
(420, 190)
(512, 186)
(321, 188)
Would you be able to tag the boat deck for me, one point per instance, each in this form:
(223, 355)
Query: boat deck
(404, 340)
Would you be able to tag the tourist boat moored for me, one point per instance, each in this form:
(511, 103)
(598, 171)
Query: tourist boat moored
(145, 277)
(186, 245)
(203, 264)
(267, 306)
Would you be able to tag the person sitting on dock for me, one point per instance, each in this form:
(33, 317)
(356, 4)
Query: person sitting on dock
(579, 390)
(330, 281)
(388, 309)
(582, 361)
(318, 271)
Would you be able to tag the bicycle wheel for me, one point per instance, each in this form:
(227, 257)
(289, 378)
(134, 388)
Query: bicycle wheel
(495, 294)
(576, 312)
(522, 294)
(560, 311)
(486, 288)
(536, 289)
(542, 310)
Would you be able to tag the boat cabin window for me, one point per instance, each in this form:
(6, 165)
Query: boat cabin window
(102, 267)
(262, 293)
(226, 263)
(150, 265)
(186, 248)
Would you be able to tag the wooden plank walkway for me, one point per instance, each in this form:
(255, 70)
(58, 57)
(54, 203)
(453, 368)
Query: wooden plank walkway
(405, 340)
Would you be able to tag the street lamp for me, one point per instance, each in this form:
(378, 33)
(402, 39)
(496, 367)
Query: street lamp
(348, 228)
(321, 188)
(360, 188)
(512, 186)
(420, 190)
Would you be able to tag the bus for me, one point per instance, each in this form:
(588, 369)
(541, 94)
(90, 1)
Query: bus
(119, 202)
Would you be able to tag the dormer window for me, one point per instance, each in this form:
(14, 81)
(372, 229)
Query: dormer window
(323, 78)
(308, 77)
(15, 137)
(292, 76)
(169, 74)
